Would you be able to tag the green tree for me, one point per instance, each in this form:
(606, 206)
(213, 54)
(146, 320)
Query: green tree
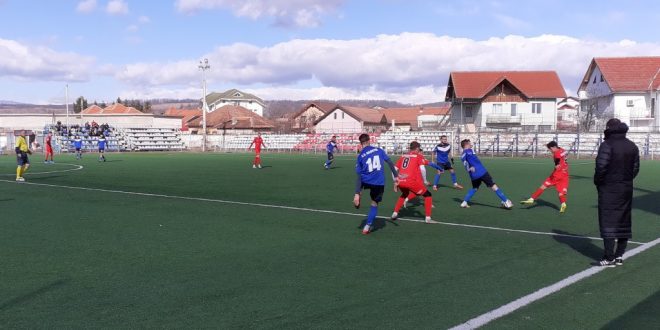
(77, 105)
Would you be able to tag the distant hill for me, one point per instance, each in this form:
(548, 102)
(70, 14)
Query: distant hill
(274, 108)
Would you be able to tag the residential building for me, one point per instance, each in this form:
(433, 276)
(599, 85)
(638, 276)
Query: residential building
(230, 119)
(514, 100)
(236, 98)
(303, 120)
(622, 87)
(567, 113)
(342, 119)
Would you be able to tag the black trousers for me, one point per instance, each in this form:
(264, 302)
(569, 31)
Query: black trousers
(621, 244)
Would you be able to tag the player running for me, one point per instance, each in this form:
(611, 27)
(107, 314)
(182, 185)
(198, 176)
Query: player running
(22, 161)
(258, 142)
(371, 175)
(102, 144)
(479, 175)
(330, 148)
(410, 180)
(77, 143)
(559, 177)
(444, 159)
(49, 149)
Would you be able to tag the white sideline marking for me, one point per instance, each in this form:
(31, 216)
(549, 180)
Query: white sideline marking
(301, 209)
(488, 317)
(76, 167)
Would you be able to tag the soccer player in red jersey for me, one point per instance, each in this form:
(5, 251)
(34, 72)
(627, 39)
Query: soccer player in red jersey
(49, 148)
(258, 142)
(410, 180)
(559, 177)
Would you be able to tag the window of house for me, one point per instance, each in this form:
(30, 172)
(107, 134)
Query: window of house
(468, 111)
(653, 107)
(335, 115)
(497, 109)
(342, 115)
(303, 119)
(601, 78)
(595, 78)
(514, 109)
(536, 108)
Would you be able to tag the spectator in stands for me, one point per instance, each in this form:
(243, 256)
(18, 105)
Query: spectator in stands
(617, 164)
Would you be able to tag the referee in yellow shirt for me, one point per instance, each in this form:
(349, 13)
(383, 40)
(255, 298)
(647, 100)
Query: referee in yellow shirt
(22, 151)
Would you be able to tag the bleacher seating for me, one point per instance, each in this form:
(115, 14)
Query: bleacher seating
(64, 143)
(152, 139)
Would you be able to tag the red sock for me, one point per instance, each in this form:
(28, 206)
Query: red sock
(399, 204)
(562, 198)
(537, 193)
(428, 205)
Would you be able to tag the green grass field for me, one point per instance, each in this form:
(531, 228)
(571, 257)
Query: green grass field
(202, 241)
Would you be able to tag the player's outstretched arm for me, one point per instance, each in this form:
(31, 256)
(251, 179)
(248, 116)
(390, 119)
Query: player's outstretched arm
(392, 168)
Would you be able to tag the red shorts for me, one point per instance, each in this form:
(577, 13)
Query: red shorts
(49, 149)
(560, 183)
(415, 187)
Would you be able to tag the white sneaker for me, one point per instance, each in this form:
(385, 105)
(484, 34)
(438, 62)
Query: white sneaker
(254, 166)
(365, 230)
(259, 166)
(20, 179)
(508, 204)
(405, 203)
(428, 220)
(395, 215)
(465, 205)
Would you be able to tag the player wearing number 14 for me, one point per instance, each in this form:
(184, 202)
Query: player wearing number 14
(371, 175)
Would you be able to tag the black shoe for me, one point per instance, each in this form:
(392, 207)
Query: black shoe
(618, 261)
(607, 263)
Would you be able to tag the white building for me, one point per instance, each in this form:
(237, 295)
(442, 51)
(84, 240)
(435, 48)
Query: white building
(567, 113)
(236, 98)
(624, 88)
(515, 100)
(351, 120)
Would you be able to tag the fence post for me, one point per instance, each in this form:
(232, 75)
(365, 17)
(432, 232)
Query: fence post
(516, 139)
(578, 146)
(497, 140)
(536, 145)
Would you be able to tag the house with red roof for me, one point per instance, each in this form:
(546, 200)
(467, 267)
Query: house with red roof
(625, 88)
(303, 120)
(521, 100)
(233, 119)
(567, 113)
(344, 119)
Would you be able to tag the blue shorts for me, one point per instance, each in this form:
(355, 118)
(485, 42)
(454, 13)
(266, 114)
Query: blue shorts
(22, 159)
(331, 156)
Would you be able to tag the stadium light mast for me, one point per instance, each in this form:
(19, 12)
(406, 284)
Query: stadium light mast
(66, 100)
(204, 66)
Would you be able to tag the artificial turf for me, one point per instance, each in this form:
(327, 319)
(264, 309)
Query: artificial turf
(74, 258)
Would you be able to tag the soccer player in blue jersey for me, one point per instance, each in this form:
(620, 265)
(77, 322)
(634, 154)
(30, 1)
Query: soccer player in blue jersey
(479, 175)
(77, 143)
(330, 148)
(102, 144)
(444, 159)
(371, 175)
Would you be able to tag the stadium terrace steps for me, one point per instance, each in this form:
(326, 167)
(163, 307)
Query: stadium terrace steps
(153, 139)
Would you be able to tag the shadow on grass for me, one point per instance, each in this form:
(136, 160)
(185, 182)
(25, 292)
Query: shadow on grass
(586, 247)
(113, 161)
(379, 223)
(33, 294)
(649, 202)
(541, 203)
(641, 316)
(7, 200)
(472, 203)
(580, 177)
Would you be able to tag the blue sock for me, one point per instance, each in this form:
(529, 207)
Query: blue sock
(469, 195)
(436, 180)
(500, 194)
(373, 212)
(453, 178)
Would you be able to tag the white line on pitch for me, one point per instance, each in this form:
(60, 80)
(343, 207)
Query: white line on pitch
(488, 317)
(301, 209)
(76, 167)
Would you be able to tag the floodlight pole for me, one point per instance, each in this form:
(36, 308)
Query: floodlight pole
(204, 65)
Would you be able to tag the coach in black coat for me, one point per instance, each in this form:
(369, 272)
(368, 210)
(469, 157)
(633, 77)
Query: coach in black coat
(617, 164)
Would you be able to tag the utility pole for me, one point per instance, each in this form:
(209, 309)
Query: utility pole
(66, 100)
(204, 66)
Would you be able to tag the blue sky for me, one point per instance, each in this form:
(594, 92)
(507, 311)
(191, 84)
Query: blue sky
(303, 49)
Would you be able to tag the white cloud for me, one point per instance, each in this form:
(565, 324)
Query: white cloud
(386, 65)
(24, 62)
(144, 19)
(86, 6)
(298, 13)
(132, 28)
(117, 7)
